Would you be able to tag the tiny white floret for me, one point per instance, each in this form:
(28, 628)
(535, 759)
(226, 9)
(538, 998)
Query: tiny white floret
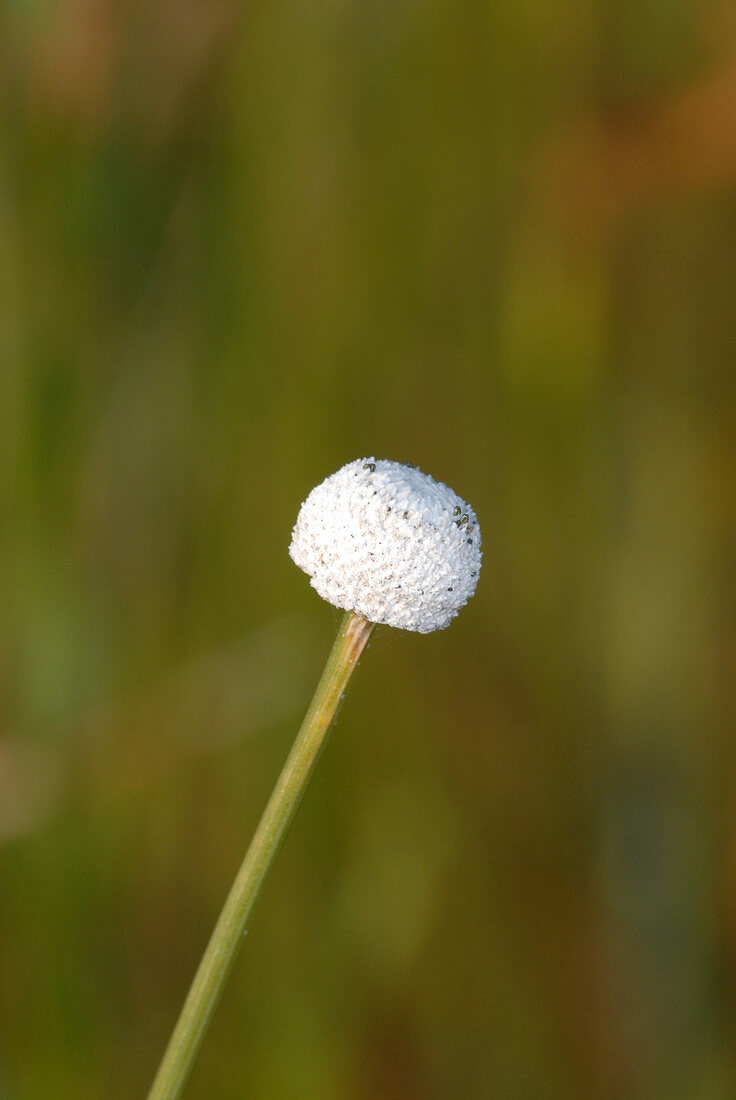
(385, 540)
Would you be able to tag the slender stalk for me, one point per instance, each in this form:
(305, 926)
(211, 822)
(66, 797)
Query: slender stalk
(222, 949)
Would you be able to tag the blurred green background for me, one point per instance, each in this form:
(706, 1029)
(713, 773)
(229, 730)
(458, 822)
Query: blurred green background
(241, 245)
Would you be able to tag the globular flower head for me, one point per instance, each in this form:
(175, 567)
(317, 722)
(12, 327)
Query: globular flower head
(385, 540)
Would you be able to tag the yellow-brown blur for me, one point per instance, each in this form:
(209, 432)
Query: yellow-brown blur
(241, 245)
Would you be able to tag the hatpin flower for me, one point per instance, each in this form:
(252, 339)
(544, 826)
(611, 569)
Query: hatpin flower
(388, 544)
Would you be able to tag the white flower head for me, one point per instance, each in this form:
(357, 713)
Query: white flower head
(385, 540)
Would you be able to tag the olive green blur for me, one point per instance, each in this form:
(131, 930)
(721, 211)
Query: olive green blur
(240, 246)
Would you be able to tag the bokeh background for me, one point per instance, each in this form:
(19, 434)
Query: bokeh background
(241, 245)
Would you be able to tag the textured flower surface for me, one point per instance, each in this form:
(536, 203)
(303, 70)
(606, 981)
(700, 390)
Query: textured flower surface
(385, 540)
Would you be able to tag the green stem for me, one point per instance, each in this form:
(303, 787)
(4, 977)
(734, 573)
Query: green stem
(222, 949)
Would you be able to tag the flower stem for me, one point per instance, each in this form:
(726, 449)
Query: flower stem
(222, 949)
